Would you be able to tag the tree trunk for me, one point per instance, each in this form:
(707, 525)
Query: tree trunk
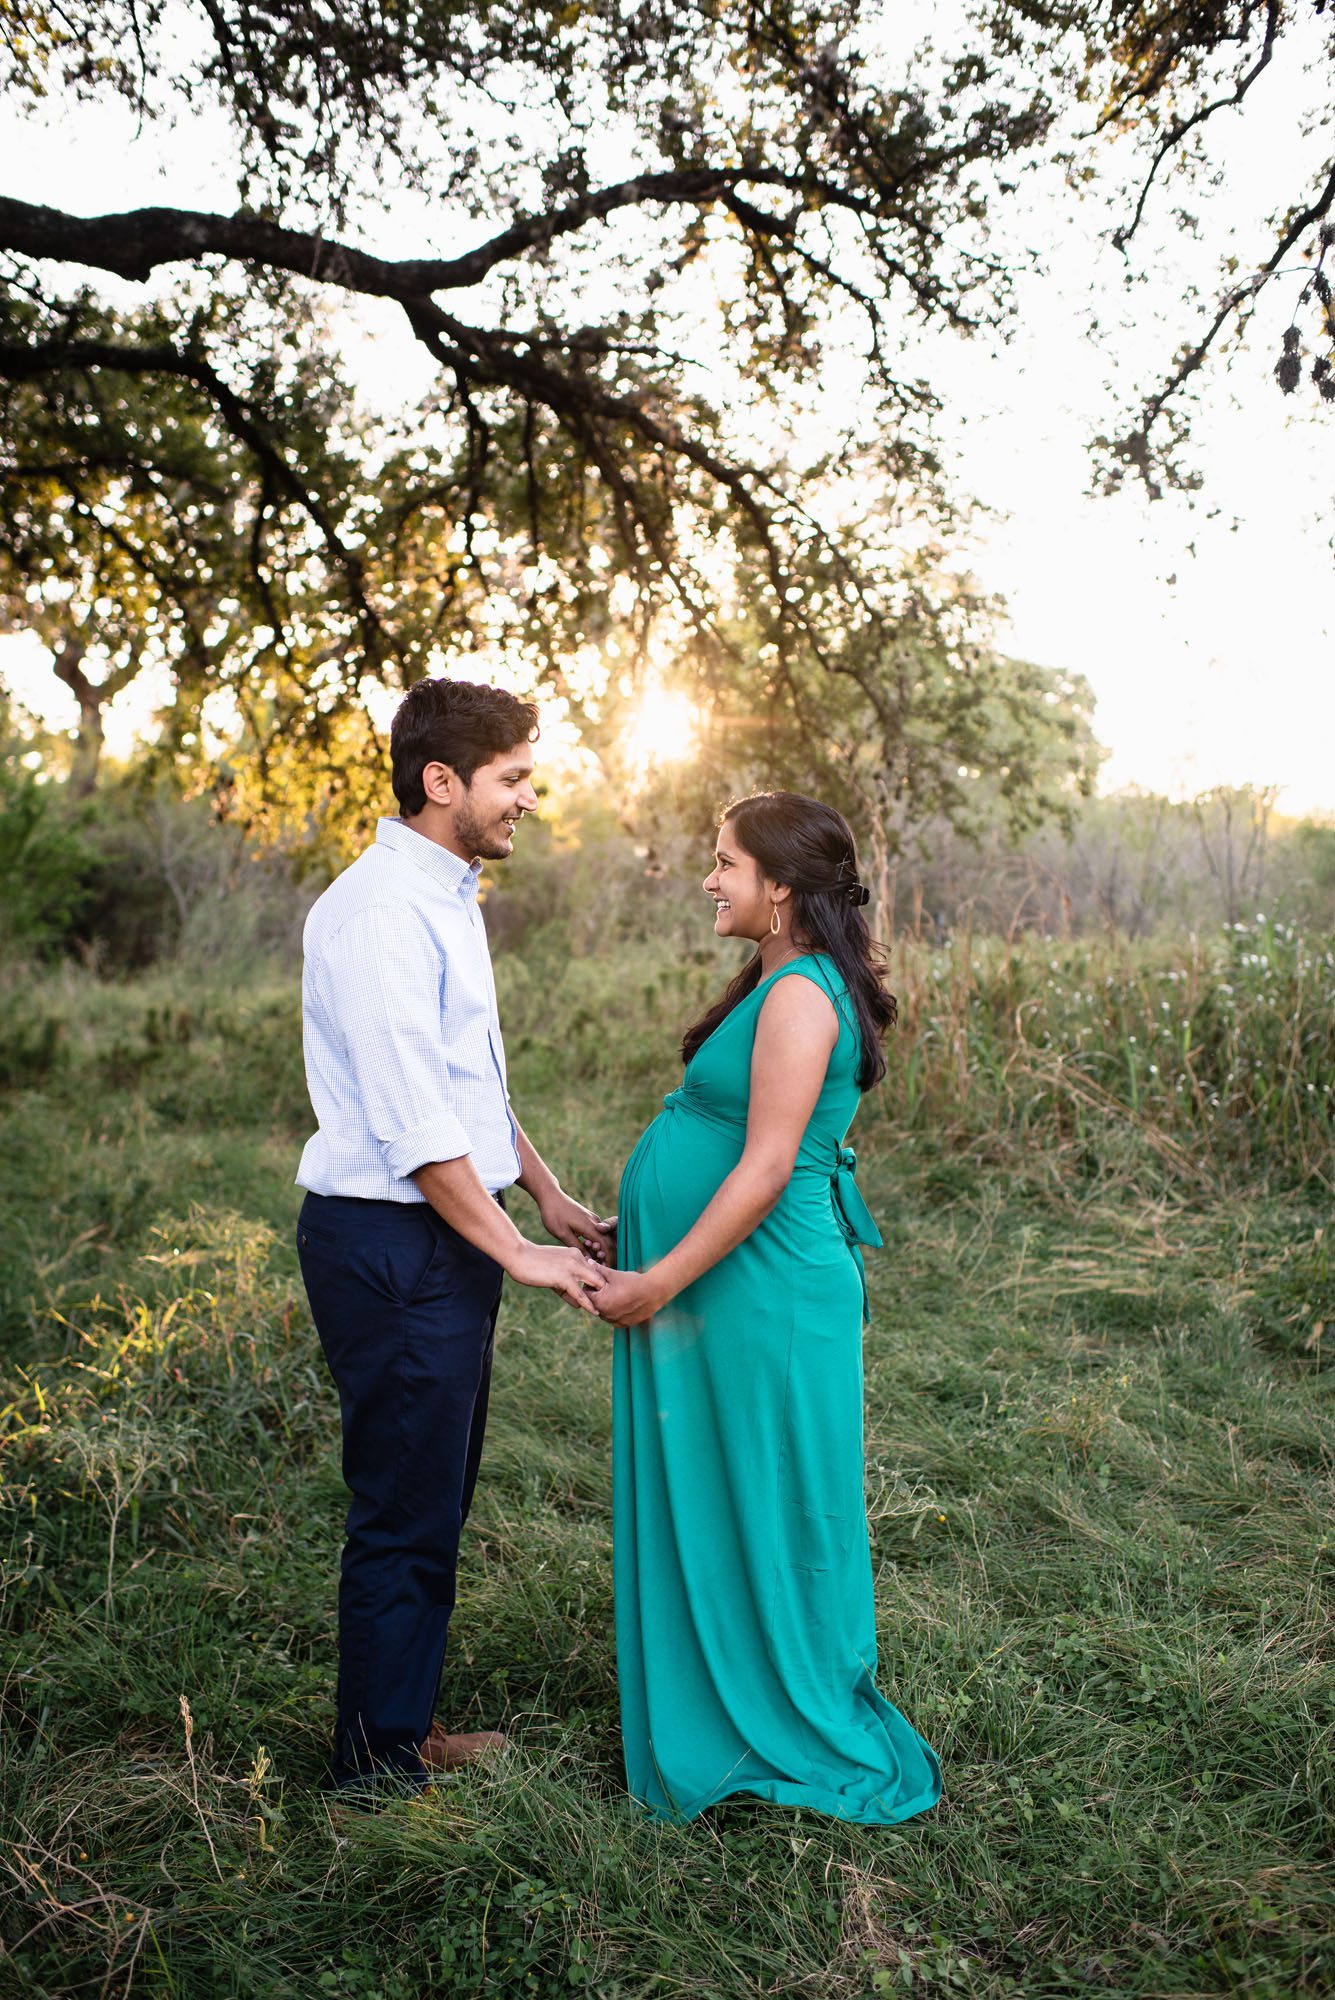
(67, 659)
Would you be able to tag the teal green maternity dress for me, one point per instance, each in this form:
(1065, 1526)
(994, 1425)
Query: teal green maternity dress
(746, 1632)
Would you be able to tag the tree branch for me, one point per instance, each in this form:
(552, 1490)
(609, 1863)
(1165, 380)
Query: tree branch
(1134, 448)
(1180, 127)
(133, 244)
(467, 350)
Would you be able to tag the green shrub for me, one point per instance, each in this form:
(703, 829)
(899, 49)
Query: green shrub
(48, 867)
(30, 1043)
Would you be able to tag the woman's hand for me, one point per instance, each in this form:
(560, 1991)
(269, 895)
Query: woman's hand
(629, 1298)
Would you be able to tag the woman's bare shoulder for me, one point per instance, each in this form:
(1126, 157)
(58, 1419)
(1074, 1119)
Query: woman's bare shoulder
(800, 996)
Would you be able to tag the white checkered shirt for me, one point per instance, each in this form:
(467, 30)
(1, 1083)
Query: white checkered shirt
(404, 1061)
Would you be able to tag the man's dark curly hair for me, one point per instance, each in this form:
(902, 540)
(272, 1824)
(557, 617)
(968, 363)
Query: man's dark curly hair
(459, 723)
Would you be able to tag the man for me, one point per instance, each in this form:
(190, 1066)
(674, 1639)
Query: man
(403, 1236)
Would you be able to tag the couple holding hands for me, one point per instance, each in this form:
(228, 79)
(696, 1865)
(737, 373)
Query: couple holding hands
(745, 1626)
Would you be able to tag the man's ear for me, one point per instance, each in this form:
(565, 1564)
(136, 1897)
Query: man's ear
(440, 784)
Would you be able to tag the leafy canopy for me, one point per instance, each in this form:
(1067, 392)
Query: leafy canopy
(669, 261)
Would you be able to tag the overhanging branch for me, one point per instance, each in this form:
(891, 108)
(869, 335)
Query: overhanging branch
(1134, 449)
(1179, 128)
(134, 243)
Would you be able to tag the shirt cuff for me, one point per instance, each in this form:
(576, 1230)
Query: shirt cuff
(440, 1138)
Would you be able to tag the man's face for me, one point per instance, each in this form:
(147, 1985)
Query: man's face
(488, 808)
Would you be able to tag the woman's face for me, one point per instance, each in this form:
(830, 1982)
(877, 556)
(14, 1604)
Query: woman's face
(743, 896)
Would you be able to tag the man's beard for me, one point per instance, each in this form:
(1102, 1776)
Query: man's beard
(482, 837)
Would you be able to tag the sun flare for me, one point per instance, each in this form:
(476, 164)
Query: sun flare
(662, 728)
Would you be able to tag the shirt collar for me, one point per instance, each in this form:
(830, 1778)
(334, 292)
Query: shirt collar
(437, 861)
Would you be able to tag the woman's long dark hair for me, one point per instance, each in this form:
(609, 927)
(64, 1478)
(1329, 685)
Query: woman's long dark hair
(807, 847)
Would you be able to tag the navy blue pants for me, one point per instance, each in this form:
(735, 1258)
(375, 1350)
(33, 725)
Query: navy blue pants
(405, 1309)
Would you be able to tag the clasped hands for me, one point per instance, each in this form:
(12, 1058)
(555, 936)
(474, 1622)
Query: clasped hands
(627, 1298)
(622, 1298)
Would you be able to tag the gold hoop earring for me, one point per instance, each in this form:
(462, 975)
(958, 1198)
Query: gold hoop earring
(775, 927)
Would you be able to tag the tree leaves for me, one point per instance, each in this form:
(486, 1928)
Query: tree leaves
(658, 237)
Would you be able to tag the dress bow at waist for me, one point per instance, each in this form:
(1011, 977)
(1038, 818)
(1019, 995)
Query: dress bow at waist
(853, 1215)
(855, 1218)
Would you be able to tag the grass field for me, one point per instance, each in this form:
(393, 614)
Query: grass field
(1100, 1442)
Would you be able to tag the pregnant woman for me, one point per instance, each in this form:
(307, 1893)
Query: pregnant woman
(746, 1633)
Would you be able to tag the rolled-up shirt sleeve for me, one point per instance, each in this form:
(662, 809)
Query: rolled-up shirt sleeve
(385, 970)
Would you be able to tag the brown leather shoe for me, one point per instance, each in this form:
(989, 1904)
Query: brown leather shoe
(443, 1752)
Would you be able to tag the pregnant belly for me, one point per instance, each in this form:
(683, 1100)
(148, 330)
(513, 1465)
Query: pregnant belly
(677, 1169)
(670, 1179)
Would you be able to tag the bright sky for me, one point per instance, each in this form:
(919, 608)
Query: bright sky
(1207, 630)
(1206, 625)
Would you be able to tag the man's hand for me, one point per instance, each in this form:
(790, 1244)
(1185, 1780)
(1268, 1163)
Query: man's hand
(567, 1272)
(629, 1298)
(570, 1222)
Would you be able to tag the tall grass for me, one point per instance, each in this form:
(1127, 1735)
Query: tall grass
(1099, 1463)
(1217, 1056)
